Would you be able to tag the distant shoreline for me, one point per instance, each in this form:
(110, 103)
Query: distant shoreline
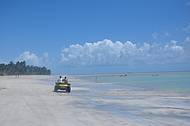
(117, 74)
(101, 74)
(20, 68)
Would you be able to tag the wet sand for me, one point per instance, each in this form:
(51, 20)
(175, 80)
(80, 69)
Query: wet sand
(30, 101)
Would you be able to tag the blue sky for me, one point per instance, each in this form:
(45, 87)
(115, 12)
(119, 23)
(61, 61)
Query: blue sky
(39, 31)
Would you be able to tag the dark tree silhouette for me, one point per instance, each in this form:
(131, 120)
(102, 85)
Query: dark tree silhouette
(20, 68)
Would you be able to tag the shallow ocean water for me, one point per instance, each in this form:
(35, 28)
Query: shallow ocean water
(160, 99)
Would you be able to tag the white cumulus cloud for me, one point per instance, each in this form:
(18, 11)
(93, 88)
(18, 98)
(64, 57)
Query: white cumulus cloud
(156, 35)
(29, 57)
(33, 59)
(107, 52)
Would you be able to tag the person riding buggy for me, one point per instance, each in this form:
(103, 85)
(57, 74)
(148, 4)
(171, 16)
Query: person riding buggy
(62, 84)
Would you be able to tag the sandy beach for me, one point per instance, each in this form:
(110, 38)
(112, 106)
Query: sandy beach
(30, 101)
(94, 63)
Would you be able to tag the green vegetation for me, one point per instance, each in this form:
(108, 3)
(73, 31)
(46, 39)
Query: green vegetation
(20, 68)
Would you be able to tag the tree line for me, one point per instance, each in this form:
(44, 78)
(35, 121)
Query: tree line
(20, 68)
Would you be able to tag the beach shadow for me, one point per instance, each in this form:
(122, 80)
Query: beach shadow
(2, 88)
(61, 91)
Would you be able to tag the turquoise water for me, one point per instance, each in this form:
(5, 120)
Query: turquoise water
(159, 99)
(172, 81)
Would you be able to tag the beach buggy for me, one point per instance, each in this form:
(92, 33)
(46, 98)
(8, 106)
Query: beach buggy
(62, 84)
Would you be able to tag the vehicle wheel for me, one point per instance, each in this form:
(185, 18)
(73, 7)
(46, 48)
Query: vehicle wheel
(55, 89)
(69, 89)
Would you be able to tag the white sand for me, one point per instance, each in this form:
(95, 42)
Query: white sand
(30, 101)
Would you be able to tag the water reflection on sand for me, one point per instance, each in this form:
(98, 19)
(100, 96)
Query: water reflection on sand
(146, 107)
